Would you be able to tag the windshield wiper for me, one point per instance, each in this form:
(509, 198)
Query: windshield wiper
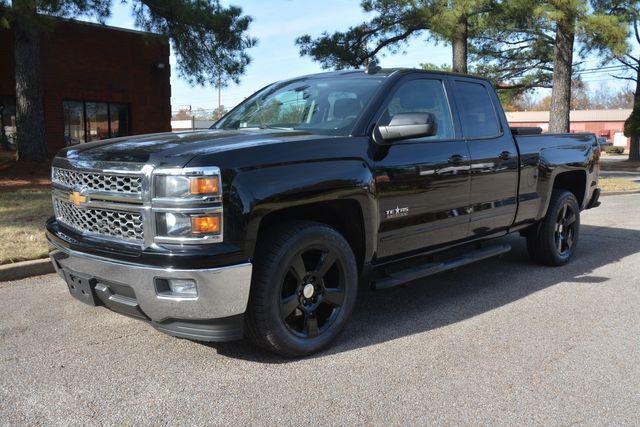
(265, 126)
(262, 126)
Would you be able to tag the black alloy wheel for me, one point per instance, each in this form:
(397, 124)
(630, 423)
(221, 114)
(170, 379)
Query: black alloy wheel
(564, 230)
(313, 291)
(555, 238)
(303, 290)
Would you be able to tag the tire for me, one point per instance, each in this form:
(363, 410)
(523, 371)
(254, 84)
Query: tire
(303, 288)
(554, 240)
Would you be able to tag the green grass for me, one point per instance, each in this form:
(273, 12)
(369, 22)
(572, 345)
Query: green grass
(22, 217)
(617, 184)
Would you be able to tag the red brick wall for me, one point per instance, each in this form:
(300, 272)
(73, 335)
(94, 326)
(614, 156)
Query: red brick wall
(84, 62)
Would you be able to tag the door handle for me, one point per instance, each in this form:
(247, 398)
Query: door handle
(456, 159)
(505, 155)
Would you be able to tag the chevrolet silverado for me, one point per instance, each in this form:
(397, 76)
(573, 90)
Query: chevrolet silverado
(265, 225)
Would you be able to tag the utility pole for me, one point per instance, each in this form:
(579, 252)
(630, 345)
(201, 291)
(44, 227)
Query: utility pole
(219, 81)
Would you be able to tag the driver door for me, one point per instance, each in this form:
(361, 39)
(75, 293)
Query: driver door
(423, 184)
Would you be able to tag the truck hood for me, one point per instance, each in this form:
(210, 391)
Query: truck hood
(178, 148)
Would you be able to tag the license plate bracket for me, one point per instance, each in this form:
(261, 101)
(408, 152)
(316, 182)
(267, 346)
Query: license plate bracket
(82, 288)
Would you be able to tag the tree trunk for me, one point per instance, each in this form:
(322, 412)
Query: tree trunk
(634, 148)
(29, 103)
(459, 46)
(562, 69)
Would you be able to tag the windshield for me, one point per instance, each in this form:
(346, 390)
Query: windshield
(328, 106)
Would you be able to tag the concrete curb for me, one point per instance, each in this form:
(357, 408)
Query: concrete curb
(619, 193)
(24, 269)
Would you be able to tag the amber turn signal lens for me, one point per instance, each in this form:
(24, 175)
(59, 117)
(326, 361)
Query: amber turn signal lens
(204, 185)
(205, 224)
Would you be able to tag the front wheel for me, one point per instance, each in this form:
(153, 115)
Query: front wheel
(555, 239)
(303, 288)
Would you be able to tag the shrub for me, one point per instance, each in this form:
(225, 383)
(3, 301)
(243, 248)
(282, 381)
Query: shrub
(610, 149)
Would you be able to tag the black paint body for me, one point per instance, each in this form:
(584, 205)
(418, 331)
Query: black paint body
(456, 191)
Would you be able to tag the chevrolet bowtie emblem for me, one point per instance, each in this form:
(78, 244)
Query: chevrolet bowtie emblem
(77, 198)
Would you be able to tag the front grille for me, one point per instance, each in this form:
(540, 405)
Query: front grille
(103, 222)
(126, 184)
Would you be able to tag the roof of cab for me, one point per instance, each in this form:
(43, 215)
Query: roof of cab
(386, 72)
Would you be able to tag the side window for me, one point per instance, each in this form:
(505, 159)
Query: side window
(476, 111)
(423, 96)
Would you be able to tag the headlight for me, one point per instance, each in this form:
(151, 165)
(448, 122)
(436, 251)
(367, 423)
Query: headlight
(170, 224)
(176, 186)
(187, 205)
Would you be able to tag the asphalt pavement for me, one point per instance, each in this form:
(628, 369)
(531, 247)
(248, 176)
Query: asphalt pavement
(500, 342)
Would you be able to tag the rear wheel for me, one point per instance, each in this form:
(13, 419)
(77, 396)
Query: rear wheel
(554, 240)
(303, 289)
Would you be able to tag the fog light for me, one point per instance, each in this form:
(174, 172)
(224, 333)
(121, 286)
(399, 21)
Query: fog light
(176, 288)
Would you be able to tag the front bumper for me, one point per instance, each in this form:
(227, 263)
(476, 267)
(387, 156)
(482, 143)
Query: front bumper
(214, 315)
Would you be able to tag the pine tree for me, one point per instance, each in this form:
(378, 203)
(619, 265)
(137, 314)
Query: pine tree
(397, 21)
(535, 40)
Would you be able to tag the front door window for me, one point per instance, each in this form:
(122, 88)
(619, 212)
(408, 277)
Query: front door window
(423, 96)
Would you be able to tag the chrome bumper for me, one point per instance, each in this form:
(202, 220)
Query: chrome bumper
(222, 292)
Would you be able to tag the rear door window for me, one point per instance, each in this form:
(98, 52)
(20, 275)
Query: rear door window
(477, 112)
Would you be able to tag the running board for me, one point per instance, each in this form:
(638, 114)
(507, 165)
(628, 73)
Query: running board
(404, 276)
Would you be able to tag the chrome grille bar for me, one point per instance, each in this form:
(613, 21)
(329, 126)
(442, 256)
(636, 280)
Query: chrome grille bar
(102, 222)
(102, 182)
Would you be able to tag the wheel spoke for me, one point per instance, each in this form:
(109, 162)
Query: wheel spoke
(288, 305)
(334, 296)
(297, 268)
(327, 259)
(312, 325)
(569, 240)
(563, 213)
(570, 220)
(558, 239)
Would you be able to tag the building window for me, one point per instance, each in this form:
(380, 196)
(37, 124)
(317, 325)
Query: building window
(7, 122)
(119, 119)
(93, 121)
(73, 123)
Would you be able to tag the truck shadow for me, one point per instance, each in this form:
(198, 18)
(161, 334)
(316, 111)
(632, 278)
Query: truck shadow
(451, 297)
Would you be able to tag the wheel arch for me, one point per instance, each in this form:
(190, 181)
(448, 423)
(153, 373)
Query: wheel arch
(345, 215)
(571, 180)
(574, 181)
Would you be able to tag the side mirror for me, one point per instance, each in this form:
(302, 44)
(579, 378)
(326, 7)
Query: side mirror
(408, 125)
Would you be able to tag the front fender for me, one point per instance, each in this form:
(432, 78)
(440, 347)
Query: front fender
(255, 193)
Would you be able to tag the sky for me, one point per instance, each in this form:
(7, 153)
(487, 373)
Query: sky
(276, 24)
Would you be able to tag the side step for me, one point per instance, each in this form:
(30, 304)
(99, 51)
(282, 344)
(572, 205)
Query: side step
(413, 273)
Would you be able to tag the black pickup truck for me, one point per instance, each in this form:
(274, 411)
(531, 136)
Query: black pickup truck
(265, 225)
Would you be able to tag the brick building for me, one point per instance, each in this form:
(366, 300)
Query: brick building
(604, 123)
(98, 82)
